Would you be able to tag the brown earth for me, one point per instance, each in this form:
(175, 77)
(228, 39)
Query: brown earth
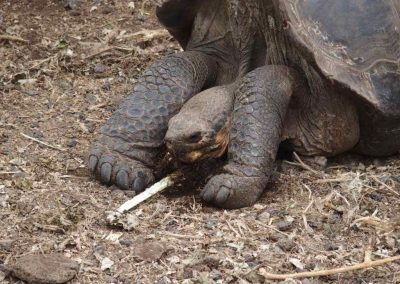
(61, 76)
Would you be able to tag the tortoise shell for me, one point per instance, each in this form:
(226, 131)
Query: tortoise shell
(355, 43)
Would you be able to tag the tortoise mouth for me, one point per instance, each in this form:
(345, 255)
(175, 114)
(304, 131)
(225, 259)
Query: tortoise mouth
(206, 148)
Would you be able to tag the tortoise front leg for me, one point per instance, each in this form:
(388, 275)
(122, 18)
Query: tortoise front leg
(261, 101)
(126, 152)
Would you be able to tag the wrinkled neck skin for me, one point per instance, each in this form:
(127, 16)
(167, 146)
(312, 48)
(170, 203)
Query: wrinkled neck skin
(229, 32)
(201, 129)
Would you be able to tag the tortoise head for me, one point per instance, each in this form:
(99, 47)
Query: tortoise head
(201, 129)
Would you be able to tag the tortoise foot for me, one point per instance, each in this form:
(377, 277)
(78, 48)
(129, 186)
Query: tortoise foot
(113, 168)
(230, 191)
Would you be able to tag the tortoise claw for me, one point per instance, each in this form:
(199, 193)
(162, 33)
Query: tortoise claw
(231, 191)
(122, 179)
(139, 184)
(222, 195)
(112, 168)
(105, 173)
(93, 160)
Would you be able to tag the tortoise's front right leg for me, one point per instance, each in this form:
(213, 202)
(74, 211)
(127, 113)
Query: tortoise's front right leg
(131, 140)
(261, 101)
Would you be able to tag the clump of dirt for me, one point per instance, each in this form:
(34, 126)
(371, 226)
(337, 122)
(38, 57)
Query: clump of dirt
(62, 73)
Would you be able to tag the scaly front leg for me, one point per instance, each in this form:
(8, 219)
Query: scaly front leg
(126, 152)
(261, 101)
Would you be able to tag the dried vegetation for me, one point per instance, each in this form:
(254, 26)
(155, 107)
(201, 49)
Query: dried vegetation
(62, 73)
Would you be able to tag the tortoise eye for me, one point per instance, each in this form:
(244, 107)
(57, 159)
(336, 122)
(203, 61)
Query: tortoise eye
(194, 137)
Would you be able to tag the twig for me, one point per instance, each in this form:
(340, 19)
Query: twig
(272, 276)
(272, 228)
(305, 166)
(41, 142)
(117, 215)
(154, 189)
(13, 38)
(180, 236)
(9, 173)
(147, 34)
(42, 61)
(385, 186)
(106, 50)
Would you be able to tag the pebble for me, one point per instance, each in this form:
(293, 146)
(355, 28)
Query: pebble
(91, 126)
(149, 251)
(100, 68)
(264, 217)
(284, 226)
(126, 243)
(376, 196)
(331, 247)
(164, 280)
(72, 143)
(6, 244)
(99, 249)
(211, 224)
(72, 4)
(45, 269)
(286, 244)
(361, 167)
(129, 193)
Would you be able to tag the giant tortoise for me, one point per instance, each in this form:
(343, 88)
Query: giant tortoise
(313, 76)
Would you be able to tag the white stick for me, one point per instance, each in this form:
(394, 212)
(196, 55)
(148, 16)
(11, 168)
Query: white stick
(154, 189)
(115, 216)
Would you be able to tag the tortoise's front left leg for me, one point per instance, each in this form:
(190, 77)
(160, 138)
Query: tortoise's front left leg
(261, 101)
(131, 141)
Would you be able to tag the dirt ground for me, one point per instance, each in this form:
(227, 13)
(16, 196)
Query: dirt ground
(61, 76)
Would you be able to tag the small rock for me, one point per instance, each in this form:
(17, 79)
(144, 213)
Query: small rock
(361, 167)
(100, 68)
(264, 217)
(317, 162)
(132, 221)
(106, 10)
(164, 280)
(129, 193)
(72, 4)
(31, 93)
(273, 236)
(106, 86)
(45, 269)
(376, 196)
(99, 249)
(91, 126)
(125, 280)
(331, 247)
(211, 224)
(149, 251)
(211, 262)
(131, 5)
(116, 191)
(126, 243)
(106, 263)
(37, 134)
(72, 143)
(111, 280)
(6, 244)
(286, 244)
(296, 263)
(284, 226)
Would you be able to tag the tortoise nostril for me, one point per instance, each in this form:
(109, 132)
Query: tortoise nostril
(194, 137)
